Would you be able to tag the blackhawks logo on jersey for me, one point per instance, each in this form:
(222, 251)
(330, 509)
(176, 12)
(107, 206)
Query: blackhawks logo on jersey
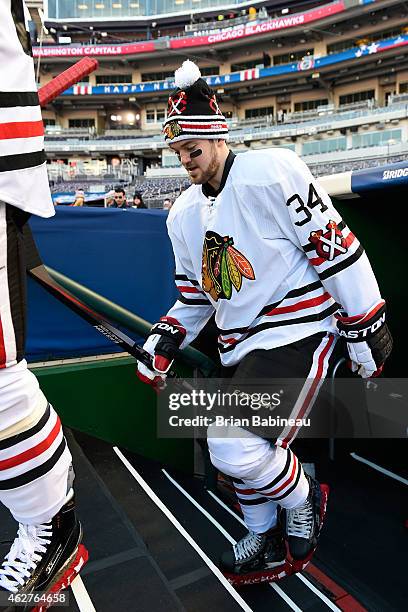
(223, 266)
(329, 244)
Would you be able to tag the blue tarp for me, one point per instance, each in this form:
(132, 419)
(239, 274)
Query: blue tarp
(125, 255)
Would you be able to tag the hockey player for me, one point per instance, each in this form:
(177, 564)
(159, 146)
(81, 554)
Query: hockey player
(36, 476)
(258, 241)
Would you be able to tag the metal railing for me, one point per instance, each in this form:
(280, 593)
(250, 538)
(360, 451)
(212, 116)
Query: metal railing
(259, 129)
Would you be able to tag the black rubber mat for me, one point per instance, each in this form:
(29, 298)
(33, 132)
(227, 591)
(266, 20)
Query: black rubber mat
(195, 590)
(139, 561)
(362, 546)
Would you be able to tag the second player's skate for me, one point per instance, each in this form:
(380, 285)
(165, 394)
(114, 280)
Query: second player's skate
(43, 560)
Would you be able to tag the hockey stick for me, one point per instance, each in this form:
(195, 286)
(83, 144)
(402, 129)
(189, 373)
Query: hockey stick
(66, 79)
(37, 270)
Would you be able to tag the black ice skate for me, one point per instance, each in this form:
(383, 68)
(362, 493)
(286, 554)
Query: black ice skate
(43, 559)
(255, 558)
(303, 524)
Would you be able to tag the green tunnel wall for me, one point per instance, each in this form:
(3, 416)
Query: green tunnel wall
(379, 223)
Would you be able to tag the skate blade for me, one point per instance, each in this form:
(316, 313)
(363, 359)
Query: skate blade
(300, 564)
(65, 577)
(275, 573)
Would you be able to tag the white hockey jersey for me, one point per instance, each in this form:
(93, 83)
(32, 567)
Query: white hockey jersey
(23, 172)
(270, 254)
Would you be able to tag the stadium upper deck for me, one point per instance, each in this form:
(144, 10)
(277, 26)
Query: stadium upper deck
(267, 67)
(142, 11)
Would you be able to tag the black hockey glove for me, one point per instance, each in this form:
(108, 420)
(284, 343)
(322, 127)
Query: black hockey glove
(369, 340)
(163, 342)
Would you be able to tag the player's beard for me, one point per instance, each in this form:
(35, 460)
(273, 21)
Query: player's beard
(211, 170)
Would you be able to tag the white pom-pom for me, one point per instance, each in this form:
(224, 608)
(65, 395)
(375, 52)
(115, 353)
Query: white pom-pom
(187, 74)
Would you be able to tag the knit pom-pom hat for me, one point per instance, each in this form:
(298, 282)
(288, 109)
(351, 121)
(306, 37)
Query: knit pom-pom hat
(193, 110)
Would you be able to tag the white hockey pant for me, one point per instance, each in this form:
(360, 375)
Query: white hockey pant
(264, 475)
(35, 462)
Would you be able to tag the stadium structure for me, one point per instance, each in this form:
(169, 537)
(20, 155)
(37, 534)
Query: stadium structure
(328, 80)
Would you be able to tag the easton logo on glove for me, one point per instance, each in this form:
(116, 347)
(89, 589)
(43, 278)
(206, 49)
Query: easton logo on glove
(172, 329)
(355, 335)
(172, 335)
(369, 340)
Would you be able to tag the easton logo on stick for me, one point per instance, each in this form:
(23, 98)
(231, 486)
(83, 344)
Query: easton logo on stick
(223, 266)
(329, 244)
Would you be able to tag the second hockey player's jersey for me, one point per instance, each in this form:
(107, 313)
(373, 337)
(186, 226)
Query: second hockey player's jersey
(270, 254)
(24, 187)
(23, 172)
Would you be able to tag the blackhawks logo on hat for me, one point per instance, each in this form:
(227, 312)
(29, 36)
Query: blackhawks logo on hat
(223, 266)
(172, 130)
